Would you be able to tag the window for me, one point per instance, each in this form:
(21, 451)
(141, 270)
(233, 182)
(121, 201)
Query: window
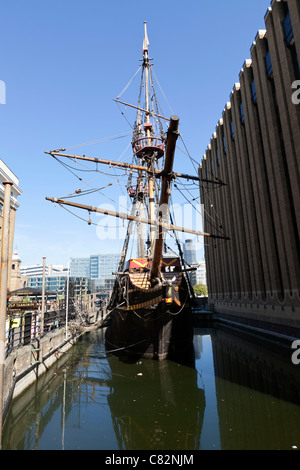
(242, 113)
(224, 144)
(269, 65)
(253, 90)
(232, 130)
(288, 31)
(212, 167)
(218, 159)
(290, 42)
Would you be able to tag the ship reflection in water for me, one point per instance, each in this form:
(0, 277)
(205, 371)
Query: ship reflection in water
(156, 405)
(238, 395)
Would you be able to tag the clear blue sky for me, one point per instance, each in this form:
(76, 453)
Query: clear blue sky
(65, 61)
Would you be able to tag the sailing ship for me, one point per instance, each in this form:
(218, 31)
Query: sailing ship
(150, 307)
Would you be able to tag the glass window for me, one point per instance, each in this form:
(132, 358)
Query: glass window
(288, 31)
(218, 159)
(232, 130)
(269, 65)
(242, 113)
(212, 167)
(224, 144)
(253, 89)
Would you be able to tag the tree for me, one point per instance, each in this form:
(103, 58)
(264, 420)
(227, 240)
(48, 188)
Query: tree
(200, 289)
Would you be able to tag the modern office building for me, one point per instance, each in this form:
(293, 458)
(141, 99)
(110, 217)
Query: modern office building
(200, 274)
(37, 270)
(107, 265)
(98, 267)
(255, 276)
(57, 284)
(80, 266)
(190, 257)
(56, 277)
(189, 252)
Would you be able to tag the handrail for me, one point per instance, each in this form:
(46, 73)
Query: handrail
(143, 144)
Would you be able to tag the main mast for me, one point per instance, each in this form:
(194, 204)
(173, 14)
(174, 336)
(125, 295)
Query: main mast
(148, 147)
(148, 126)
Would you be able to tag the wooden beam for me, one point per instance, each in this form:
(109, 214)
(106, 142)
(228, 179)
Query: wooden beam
(123, 215)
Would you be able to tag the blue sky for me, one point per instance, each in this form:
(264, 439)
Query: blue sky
(63, 63)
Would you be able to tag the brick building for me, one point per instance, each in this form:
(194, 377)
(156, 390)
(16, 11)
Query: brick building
(255, 276)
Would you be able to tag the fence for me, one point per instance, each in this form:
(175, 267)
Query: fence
(23, 327)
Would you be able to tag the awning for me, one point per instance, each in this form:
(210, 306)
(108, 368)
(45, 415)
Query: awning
(30, 291)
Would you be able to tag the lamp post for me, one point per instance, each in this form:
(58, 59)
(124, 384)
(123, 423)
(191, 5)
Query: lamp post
(67, 300)
(3, 291)
(43, 297)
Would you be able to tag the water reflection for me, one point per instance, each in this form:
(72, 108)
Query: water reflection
(156, 406)
(239, 395)
(258, 393)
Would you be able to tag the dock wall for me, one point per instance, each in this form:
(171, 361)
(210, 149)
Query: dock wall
(25, 364)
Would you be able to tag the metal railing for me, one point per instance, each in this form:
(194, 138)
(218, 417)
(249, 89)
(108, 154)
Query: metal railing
(23, 327)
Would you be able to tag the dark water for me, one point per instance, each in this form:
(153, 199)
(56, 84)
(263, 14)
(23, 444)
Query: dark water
(240, 394)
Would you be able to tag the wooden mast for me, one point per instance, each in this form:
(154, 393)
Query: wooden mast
(129, 166)
(157, 227)
(146, 65)
(165, 192)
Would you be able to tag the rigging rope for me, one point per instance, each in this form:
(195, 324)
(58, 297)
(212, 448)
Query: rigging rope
(88, 221)
(104, 139)
(124, 89)
(162, 92)
(218, 229)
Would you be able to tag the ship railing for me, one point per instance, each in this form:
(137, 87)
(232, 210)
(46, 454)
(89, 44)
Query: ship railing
(133, 190)
(148, 144)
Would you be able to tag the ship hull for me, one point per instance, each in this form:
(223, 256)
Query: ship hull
(149, 333)
(145, 322)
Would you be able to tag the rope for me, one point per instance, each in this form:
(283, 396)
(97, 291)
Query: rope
(88, 221)
(162, 92)
(124, 89)
(104, 139)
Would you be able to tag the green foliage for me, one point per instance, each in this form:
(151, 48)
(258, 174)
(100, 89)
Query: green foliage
(200, 289)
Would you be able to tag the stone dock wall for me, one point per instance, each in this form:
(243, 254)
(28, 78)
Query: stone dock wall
(24, 365)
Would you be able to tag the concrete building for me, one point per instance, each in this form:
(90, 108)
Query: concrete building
(7, 175)
(255, 276)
